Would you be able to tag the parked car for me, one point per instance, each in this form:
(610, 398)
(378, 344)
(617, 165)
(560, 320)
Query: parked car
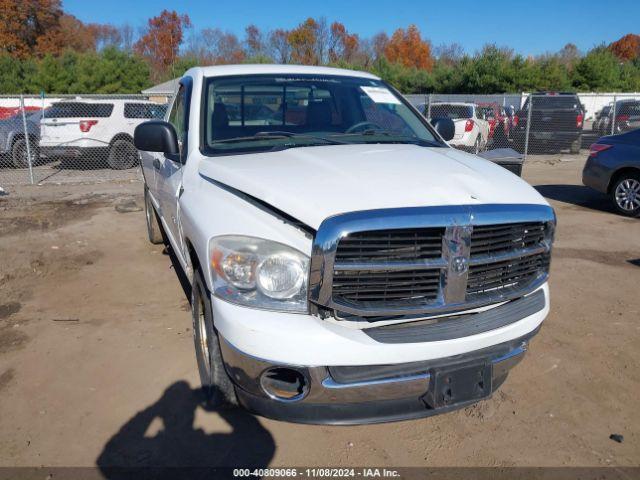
(627, 114)
(602, 121)
(346, 264)
(95, 129)
(472, 129)
(613, 167)
(499, 124)
(13, 141)
(556, 122)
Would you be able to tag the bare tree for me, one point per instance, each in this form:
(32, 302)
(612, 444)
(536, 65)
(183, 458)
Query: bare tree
(212, 46)
(254, 41)
(323, 34)
(278, 45)
(449, 53)
(379, 44)
(106, 36)
(569, 55)
(126, 37)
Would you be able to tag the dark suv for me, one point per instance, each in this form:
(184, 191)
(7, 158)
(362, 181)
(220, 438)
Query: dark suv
(556, 122)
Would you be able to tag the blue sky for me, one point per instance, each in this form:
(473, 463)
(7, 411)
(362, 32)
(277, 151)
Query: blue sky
(529, 27)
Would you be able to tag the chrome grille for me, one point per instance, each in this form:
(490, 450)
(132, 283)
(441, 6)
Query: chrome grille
(489, 278)
(492, 239)
(387, 287)
(391, 245)
(432, 260)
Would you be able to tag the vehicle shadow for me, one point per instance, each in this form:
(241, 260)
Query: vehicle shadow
(178, 450)
(578, 195)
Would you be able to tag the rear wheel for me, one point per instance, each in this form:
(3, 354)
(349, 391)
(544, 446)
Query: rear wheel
(575, 146)
(500, 136)
(625, 194)
(19, 153)
(477, 145)
(122, 155)
(216, 384)
(154, 230)
(518, 143)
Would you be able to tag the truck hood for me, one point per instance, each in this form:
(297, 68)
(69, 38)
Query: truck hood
(314, 183)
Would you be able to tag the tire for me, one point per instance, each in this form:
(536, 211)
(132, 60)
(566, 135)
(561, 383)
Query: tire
(576, 145)
(216, 384)
(518, 143)
(477, 145)
(19, 158)
(154, 230)
(625, 194)
(500, 137)
(122, 155)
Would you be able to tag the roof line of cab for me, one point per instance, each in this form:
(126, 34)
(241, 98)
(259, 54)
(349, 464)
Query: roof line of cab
(266, 69)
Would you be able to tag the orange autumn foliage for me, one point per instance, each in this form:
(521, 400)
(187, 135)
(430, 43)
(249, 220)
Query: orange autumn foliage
(627, 47)
(161, 43)
(407, 48)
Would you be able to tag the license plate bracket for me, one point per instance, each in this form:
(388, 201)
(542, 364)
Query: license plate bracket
(459, 384)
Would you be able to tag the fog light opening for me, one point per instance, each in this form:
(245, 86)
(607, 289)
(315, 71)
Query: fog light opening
(284, 384)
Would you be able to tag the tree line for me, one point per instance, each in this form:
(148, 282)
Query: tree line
(42, 48)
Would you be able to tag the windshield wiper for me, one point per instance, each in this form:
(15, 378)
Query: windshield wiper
(282, 133)
(278, 135)
(370, 131)
(394, 138)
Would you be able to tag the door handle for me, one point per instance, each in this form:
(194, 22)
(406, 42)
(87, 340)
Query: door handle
(156, 164)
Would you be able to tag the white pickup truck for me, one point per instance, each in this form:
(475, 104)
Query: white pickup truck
(347, 265)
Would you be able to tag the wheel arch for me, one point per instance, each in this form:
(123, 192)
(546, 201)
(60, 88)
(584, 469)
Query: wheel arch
(193, 261)
(619, 173)
(20, 135)
(121, 136)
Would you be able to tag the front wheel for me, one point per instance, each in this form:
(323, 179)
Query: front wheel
(122, 155)
(625, 194)
(216, 384)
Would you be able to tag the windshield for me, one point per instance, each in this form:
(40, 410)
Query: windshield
(273, 112)
(446, 110)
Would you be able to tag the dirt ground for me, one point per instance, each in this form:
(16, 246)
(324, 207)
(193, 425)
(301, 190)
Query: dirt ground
(96, 353)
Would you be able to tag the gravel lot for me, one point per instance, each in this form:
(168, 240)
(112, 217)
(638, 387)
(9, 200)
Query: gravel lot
(97, 362)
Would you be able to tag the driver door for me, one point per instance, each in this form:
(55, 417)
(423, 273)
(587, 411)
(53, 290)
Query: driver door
(169, 171)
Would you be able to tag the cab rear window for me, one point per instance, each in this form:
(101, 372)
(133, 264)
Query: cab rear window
(630, 108)
(80, 110)
(556, 101)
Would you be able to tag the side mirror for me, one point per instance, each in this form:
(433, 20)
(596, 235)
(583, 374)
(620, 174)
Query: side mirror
(445, 127)
(156, 136)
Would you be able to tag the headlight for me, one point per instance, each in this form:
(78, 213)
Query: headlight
(259, 273)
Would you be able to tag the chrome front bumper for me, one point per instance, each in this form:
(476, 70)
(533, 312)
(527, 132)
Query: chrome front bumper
(362, 394)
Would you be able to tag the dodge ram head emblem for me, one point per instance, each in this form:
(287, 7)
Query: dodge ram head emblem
(459, 265)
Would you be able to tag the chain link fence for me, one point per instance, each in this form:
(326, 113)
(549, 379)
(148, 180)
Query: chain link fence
(89, 138)
(72, 138)
(551, 124)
